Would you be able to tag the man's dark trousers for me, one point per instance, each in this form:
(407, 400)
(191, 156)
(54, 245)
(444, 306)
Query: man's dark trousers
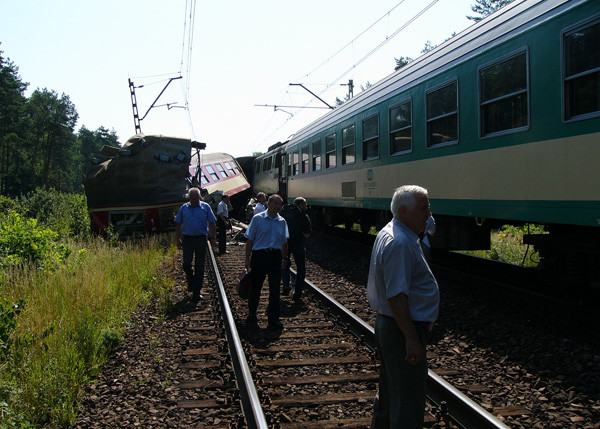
(194, 246)
(296, 248)
(263, 263)
(222, 233)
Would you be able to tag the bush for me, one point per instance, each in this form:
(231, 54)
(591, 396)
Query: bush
(23, 241)
(66, 214)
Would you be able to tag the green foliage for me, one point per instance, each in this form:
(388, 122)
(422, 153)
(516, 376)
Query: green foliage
(22, 241)
(111, 340)
(37, 139)
(401, 62)
(507, 245)
(485, 7)
(74, 319)
(64, 213)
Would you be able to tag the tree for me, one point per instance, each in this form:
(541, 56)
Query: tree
(12, 102)
(92, 142)
(53, 146)
(428, 47)
(486, 7)
(401, 62)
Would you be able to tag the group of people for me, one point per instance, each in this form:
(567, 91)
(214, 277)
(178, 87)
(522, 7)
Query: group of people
(196, 226)
(401, 287)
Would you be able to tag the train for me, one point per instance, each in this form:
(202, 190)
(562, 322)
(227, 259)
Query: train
(137, 189)
(501, 123)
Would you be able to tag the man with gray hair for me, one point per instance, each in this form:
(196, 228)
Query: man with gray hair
(403, 291)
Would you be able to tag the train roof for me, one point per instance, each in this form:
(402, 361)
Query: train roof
(209, 158)
(507, 22)
(146, 170)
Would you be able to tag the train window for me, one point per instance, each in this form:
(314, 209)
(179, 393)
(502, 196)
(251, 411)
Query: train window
(289, 164)
(221, 170)
(230, 168)
(442, 114)
(277, 158)
(348, 143)
(503, 94)
(330, 158)
(305, 159)
(371, 137)
(582, 71)
(296, 163)
(401, 127)
(203, 178)
(257, 166)
(316, 155)
(267, 164)
(212, 172)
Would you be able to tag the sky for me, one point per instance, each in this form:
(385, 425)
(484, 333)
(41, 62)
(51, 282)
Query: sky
(234, 58)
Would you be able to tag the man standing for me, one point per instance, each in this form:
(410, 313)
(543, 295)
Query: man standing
(193, 219)
(299, 228)
(266, 251)
(260, 206)
(223, 223)
(403, 291)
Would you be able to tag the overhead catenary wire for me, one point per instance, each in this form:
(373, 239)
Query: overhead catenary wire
(350, 42)
(357, 63)
(186, 58)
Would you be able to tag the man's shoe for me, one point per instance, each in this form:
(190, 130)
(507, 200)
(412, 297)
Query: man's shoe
(197, 297)
(297, 299)
(275, 325)
(286, 291)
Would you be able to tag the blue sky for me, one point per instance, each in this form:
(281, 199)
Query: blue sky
(242, 54)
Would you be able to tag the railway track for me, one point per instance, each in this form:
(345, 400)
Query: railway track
(515, 356)
(321, 370)
(182, 371)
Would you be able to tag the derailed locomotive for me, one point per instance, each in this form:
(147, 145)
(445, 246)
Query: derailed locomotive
(501, 123)
(137, 189)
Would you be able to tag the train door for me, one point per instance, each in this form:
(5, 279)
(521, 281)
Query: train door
(281, 164)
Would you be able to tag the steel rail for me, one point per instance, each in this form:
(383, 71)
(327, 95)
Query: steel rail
(251, 405)
(467, 412)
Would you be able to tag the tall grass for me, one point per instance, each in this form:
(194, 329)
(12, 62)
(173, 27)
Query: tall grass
(73, 317)
(507, 246)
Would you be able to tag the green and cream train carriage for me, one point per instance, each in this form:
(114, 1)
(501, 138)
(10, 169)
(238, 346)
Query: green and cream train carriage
(501, 124)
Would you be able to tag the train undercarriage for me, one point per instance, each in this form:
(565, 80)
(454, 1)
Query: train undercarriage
(569, 256)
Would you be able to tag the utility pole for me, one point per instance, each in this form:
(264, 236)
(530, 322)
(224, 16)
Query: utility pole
(136, 117)
(350, 86)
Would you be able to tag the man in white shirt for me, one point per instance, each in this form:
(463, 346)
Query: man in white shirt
(260, 206)
(266, 255)
(223, 223)
(403, 291)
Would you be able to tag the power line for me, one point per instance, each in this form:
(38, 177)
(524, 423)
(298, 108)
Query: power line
(387, 39)
(352, 41)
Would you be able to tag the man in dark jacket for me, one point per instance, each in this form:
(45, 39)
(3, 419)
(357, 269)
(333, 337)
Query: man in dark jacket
(299, 227)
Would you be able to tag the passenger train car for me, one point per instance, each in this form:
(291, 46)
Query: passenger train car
(501, 124)
(138, 188)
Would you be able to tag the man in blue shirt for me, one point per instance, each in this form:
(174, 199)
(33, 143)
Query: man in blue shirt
(193, 220)
(403, 291)
(266, 252)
